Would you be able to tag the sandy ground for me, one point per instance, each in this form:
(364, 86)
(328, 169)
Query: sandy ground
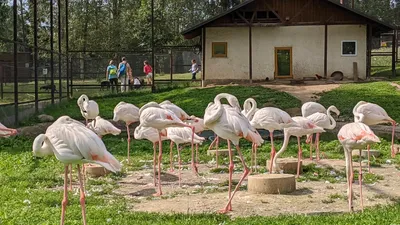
(204, 194)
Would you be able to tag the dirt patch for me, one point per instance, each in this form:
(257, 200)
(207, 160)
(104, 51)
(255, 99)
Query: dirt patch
(395, 85)
(305, 93)
(208, 193)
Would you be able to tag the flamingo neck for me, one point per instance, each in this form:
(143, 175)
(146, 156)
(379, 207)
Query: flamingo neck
(332, 120)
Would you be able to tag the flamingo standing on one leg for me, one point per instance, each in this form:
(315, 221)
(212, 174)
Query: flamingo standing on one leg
(150, 134)
(128, 113)
(309, 108)
(305, 127)
(152, 115)
(72, 143)
(372, 114)
(355, 136)
(271, 119)
(89, 108)
(229, 123)
(324, 120)
(182, 135)
(7, 132)
(103, 127)
(182, 115)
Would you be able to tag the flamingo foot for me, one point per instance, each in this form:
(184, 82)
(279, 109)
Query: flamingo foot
(195, 169)
(158, 194)
(224, 211)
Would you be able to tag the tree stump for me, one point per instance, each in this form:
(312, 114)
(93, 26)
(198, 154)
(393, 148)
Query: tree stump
(95, 170)
(271, 183)
(289, 166)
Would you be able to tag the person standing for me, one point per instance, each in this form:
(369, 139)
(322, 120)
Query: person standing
(111, 75)
(124, 74)
(148, 70)
(194, 69)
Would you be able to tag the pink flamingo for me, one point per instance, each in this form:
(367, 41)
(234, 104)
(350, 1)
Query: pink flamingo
(324, 120)
(198, 124)
(182, 135)
(152, 115)
(305, 127)
(150, 134)
(309, 108)
(129, 114)
(355, 136)
(229, 123)
(72, 143)
(7, 132)
(103, 127)
(373, 114)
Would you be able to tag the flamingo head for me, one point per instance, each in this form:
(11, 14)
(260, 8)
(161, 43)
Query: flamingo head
(40, 148)
(335, 110)
(83, 98)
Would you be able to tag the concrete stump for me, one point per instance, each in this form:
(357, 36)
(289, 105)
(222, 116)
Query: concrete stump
(221, 152)
(288, 166)
(95, 170)
(271, 183)
(364, 153)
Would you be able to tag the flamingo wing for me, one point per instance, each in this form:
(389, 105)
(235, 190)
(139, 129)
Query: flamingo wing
(104, 127)
(319, 119)
(357, 132)
(126, 112)
(179, 112)
(183, 135)
(310, 108)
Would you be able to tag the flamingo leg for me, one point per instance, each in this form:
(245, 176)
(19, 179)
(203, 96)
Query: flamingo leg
(255, 156)
(159, 164)
(360, 178)
(154, 164)
(197, 154)
(393, 130)
(369, 156)
(311, 145)
(300, 155)
(65, 199)
(317, 148)
(212, 144)
(252, 159)
(273, 152)
(180, 164)
(11, 131)
(70, 177)
(171, 164)
(194, 167)
(228, 207)
(82, 197)
(129, 141)
(350, 182)
(216, 150)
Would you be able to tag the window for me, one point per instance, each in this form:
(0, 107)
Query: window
(219, 49)
(349, 48)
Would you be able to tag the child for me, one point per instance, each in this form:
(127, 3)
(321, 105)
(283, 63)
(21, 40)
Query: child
(136, 83)
(194, 69)
(148, 71)
(111, 75)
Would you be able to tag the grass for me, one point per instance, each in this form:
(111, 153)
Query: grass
(348, 95)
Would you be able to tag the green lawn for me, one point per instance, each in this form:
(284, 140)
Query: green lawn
(31, 188)
(347, 95)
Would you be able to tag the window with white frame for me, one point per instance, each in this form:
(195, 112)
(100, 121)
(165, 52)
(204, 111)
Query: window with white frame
(349, 48)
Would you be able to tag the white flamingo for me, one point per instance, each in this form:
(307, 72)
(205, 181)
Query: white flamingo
(128, 113)
(324, 120)
(152, 115)
(229, 123)
(7, 132)
(103, 127)
(182, 135)
(309, 108)
(150, 134)
(271, 119)
(198, 124)
(72, 143)
(355, 136)
(305, 127)
(372, 114)
(249, 108)
(89, 108)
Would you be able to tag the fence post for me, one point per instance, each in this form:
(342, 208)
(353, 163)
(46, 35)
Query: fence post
(35, 55)
(52, 52)
(72, 77)
(59, 50)
(171, 62)
(15, 18)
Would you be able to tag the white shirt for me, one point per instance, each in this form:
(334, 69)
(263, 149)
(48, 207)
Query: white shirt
(136, 82)
(194, 67)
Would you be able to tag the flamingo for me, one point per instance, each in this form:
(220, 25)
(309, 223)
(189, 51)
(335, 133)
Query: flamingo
(72, 143)
(7, 132)
(150, 134)
(229, 123)
(182, 115)
(249, 108)
(309, 108)
(128, 113)
(89, 108)
(372, 114)
(182, 135)
(305, 127)
(103, 127)
(355, 135)
(153, 115)
(324, 120)
(271, 119)
(198, 124)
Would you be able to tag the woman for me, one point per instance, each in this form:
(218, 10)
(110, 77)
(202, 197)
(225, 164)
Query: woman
(111, 75)
(124, 73)
(194, 69)
(148, 70)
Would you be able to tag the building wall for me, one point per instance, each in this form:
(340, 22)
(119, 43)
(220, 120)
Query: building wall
(307, 44)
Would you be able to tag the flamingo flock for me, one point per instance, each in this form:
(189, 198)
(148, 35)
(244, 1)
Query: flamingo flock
(75, 143)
